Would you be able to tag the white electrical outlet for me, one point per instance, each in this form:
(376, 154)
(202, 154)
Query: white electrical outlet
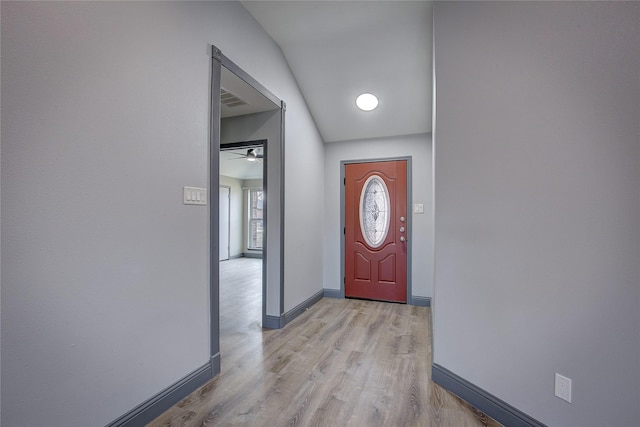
(563, 387)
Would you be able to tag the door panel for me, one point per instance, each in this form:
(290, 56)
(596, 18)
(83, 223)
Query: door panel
(387, 269)
(375, 246)
(363, 267)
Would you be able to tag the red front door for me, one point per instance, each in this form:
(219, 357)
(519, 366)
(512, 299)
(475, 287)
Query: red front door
(376, 230)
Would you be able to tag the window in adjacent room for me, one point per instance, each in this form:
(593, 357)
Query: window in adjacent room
(256, 198)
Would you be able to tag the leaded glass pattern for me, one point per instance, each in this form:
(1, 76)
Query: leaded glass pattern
(374, 211)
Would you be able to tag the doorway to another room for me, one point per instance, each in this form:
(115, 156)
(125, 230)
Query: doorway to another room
(247, 131)
(242, 221)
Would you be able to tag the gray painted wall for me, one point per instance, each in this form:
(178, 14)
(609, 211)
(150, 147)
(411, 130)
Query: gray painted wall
(250, 127)
(253, 183)
(303, 214)
(105, 272)
(537, 156)
(1, 161)
(236, 218)
(419, 148)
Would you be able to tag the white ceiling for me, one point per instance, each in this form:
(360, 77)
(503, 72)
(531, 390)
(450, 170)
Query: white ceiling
(234, 165)
(339, 49)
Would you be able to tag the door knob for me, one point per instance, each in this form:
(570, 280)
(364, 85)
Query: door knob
(401, 219)
(403, 239)
(402, 229)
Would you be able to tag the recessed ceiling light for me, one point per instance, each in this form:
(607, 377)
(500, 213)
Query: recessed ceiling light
(367, 102)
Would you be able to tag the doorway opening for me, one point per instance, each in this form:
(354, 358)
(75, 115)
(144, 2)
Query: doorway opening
(247, 124)
(242, 166)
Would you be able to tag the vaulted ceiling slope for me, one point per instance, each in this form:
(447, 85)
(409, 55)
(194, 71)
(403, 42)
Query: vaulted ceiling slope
(340, 49)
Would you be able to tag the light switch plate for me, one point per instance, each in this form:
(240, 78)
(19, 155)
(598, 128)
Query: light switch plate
(195, 196)
(563, 387)
(418, 208)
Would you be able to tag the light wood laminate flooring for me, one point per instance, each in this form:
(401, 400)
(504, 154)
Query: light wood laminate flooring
(343, 362)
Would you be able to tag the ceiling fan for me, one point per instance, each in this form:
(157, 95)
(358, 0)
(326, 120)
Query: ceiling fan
(251, 155)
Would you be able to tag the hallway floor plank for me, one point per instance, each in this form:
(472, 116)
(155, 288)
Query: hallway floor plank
(341, 363)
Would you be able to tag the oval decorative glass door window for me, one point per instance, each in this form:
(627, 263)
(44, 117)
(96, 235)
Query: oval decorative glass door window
(374, 211)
